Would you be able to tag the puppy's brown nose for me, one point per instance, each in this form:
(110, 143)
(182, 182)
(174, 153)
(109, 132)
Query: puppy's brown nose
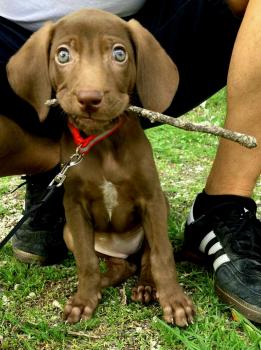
(89, 99)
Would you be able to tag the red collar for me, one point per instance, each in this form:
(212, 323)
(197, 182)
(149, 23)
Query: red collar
(85, 144)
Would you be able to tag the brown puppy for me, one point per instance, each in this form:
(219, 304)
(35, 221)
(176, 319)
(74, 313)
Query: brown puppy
(93, 61)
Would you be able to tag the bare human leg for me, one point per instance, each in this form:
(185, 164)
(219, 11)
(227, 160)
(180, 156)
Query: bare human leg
(236, 169)
(23, 153)
(222, 226)
(40, 238)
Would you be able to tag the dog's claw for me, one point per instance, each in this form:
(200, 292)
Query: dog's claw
(178, 310)
(76, 309)
(143, 294)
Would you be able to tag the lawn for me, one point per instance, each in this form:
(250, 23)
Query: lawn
(32, 297)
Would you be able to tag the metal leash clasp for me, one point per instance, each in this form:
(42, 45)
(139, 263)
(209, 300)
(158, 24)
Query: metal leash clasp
(75, 159)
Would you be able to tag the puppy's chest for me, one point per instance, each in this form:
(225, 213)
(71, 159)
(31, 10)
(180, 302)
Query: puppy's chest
(113, 204)
(110, 196)
(110, 193)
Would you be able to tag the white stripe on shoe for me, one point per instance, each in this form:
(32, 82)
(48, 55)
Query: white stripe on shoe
(222, 259)
(215, 248)
(206, 240)
(190, 218)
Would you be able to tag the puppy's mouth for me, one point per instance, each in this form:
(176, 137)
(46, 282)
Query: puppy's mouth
(88, 125)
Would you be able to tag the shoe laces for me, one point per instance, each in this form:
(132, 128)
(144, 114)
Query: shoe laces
(244, 227)
(246, 236)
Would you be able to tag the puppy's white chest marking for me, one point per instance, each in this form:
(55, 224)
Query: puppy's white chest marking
(110, 196)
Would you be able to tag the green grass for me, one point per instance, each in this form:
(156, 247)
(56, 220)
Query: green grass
(32, 297)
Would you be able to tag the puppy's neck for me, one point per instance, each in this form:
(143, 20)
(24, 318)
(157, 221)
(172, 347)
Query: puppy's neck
(85, 142)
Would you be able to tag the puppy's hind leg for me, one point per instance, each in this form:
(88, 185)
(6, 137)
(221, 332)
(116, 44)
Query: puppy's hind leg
(117, 271)
(145, 290)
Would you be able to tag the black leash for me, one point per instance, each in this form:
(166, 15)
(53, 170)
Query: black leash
(36, 207)
(55, 183)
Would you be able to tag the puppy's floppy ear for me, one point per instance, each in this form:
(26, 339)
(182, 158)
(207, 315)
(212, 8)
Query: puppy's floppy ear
(27, 70)
(157, 75)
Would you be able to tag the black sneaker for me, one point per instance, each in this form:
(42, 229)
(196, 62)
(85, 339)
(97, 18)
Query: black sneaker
(40, 238)
(223, 232)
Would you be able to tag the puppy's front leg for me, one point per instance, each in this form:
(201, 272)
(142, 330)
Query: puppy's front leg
(84, 302)
(177, 307)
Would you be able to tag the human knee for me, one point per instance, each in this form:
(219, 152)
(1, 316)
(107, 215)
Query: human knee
(11, 136)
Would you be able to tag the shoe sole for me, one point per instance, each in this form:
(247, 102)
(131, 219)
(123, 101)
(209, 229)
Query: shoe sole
(28, 258)
(251, 312)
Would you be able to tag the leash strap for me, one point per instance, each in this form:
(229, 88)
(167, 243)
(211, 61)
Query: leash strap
(37, 206)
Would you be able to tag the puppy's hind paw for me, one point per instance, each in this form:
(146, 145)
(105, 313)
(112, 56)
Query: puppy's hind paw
(144, 294)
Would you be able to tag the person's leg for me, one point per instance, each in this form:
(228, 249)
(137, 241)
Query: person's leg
(24, 153)
(236, 169)
(199, 36)
(222, 229)
(31, 148)
(224, 217)
(39, 239)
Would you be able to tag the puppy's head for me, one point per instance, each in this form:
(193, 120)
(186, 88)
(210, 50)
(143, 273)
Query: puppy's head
(91, 61)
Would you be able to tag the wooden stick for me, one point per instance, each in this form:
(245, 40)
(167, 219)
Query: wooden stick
(243, 139)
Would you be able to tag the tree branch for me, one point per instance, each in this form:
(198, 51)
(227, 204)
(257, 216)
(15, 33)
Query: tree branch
(243, 139)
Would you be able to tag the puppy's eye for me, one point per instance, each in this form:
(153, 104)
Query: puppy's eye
(119, 53)
(63, 55)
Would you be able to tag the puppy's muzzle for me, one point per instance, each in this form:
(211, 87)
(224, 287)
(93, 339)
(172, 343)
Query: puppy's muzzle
(89, 100)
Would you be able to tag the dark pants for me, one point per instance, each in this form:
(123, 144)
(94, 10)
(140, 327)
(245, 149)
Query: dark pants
(197, 34)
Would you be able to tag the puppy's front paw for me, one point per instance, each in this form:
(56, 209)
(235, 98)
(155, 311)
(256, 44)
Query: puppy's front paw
(177, 309)
(78, 308)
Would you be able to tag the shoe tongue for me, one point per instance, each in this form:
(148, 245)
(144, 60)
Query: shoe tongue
(204, 203)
